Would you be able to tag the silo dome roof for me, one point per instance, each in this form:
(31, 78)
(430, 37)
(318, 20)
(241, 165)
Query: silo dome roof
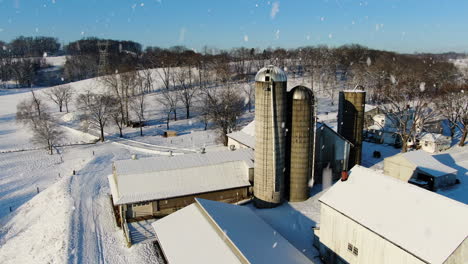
(301, 93)
(271, 73)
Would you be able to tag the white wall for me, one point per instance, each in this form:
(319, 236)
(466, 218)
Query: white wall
(337, 230)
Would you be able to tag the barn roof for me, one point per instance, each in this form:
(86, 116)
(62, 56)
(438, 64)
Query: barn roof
(166, 177)
(428, 164)
(224, 233)
(423, 223)
(144, 165)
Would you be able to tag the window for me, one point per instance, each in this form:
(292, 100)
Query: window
(350, 247)
(355, 251)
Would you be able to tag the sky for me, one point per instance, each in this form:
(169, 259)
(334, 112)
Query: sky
(403, 26)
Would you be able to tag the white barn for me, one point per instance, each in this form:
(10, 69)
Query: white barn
(373, 218)
(214, 232)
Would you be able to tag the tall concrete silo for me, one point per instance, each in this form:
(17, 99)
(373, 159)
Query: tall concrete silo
(270, 122)
(351, 121)
(301, 140)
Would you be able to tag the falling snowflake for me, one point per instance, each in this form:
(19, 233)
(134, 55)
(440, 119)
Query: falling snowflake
(422, 86)
(275, 244)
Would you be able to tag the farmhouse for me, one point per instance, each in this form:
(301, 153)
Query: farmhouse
(434, 143)
(215, 232)
(373, 218)
(420, 168)
(155, 187)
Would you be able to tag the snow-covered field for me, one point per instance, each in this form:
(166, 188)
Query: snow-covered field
(70, 219)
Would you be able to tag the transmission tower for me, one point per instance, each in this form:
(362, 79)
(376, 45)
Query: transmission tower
(103, 47)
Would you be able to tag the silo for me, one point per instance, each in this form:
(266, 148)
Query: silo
(270, 120)
(351, 121)
(301, 137)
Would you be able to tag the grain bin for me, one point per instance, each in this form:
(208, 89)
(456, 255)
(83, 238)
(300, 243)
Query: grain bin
(270, 122)
(301, 139)
(351, 121)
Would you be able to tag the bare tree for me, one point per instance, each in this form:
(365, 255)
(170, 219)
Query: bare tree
(169, 100)
(186, 90)
(96, 109)
(408, 112)
(225, 106)
(121, 87)
(249, 90)
(46, 131)
(454, 106)
(138, 104)
(61, 95)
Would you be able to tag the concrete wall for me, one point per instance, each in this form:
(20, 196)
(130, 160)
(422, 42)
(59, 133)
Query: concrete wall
(399, 168)
(270, 122)
(337, 232)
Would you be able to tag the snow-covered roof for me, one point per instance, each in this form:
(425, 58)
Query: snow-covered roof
(243, 138)
(434, 137)
(162, 177)
(224, 233)
(426, 224)
(144, 165)
(249, 129)
(428, 164)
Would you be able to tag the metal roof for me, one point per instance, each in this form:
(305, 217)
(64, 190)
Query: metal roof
(428, 225)
(224, 233)
(155, 164)
(271, 73)
(151, 179)
(428, 164)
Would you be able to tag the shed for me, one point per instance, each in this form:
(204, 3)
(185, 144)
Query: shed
(420, 168)
(154, 187)
(215, 232)
(374, 218)
(170, 133)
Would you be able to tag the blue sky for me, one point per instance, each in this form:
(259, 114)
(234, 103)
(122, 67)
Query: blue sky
(404, 26)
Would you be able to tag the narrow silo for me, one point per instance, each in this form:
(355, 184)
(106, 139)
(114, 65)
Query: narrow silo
(301, 137)
(351, 121)
(270, 121)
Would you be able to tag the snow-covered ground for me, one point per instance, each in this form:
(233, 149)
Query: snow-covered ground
(70, 219)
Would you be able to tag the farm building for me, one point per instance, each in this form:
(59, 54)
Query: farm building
(330, 148)
(155, 187)
(373, 218)
(223, 233)
(434, 143)
(420, 168)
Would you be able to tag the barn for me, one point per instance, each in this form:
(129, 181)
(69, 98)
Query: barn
(215, 232)
(420, 168)
(374, 218)
(155, 187)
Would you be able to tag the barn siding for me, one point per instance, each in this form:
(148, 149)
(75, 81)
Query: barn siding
(460, 255)
(337, 230)
(159, 208)
(399, 168)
